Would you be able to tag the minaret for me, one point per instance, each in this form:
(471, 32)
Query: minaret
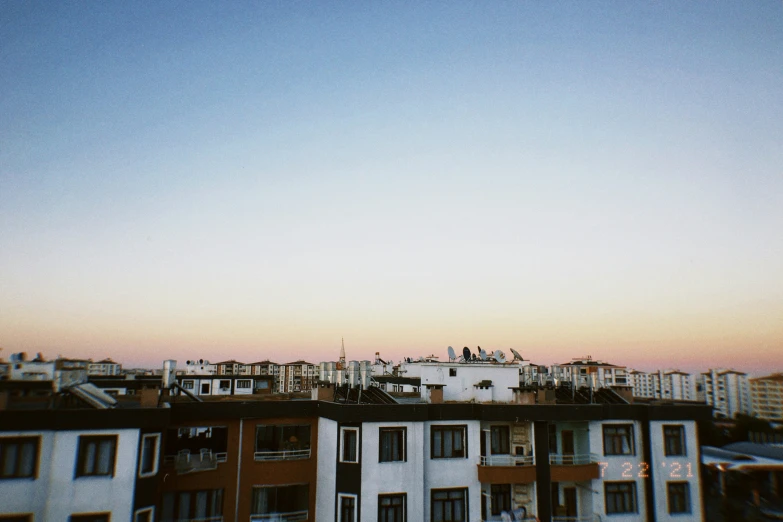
(342, 352)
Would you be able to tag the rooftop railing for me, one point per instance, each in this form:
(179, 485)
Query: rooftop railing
(291, 516)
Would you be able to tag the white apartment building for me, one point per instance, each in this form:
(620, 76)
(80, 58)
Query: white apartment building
(727, 391)
(767, 397)
(589, 372)
(663, 384)
(297, 376)
(104, 367)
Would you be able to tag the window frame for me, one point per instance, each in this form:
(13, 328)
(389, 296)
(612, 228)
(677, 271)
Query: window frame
(389, 430)
(686, 491)
(631, 436)
(343, 431)
(89, 517)
(248, 382)
(19, 442)
(465, 502)
(278, 508)
(403, 496)
(141, 511)
(463, 428)
(355, 498)
(683, 451)
(634, 508)
(82, 443)
(501, 429)
(155, 455)
(494, 496)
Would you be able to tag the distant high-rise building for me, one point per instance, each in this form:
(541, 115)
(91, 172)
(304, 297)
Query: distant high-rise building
(767, 397)
(663, 384)
(727, 391)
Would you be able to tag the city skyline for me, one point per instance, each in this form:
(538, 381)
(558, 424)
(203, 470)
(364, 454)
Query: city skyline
(182, 182)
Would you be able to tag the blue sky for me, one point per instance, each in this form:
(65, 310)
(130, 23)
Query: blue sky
(215, 180)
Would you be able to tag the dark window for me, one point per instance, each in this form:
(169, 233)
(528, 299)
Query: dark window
(618, 439)
(149, 454)
(194, 439)
(448, 442)
(499, 436)
(347, 509)
(193, 504)
(281, 499)
(287, 441)
(96, 456)
(225, 384)
(18, 457)
(679, 496)
(673, 440)
(553, 439)
(391, 508)
(144, 515)
(349, 442)
(16, 518)
(188, 385)
(452, 372)
(91, 517)
(500, 495)
(620, 497)
(449, 505)
(391, 445)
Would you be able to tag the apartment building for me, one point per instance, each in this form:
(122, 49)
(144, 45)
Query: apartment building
(589, 372)
(297, 376)
(727, 391)
(232, 367)
(767, 397)
(663, 385)
(104, 367)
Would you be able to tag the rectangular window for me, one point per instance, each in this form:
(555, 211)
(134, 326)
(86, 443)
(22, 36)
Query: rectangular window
(96, 456)
(243, 384)
(673, 440)
(500, 495)
(349, 444)
(19, 457)
(618, 439)
(282, 441)
(17, 518)
(224, 385)
(499, 436)
(195, 438)
(188, 385)
(192, 504)
(145, 515)
(148, 462)
(292, 501)
(679, 497)
(448, 442)
(347, 511)
(553, 439)
(449, 505)
(90, 517)
(620, 497)
(391, 445)
(392, 508)
(452, 372)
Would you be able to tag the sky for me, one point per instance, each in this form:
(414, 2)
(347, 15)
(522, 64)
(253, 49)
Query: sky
(252, 180)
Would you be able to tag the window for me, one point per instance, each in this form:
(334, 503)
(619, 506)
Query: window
(552, 439)
(282, 442)
(499, 436)
(452, 372)
(148, 462)
(145, 515)
(347, 508)
(620, 497)
(96, 456)
(90, 517)
(448, 442)
(391, 445)
(618, 439)
(673, 440)
(19, 457)
(193, 504)
(224, 385)
(188, 385)
(243, 384)
(679, 497)
(391, 508)
(500, 495)
(270, 500)
(16, 518)
(196, 438)
(449, 505)
(349, 444)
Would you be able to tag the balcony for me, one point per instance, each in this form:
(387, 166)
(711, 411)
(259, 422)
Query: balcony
(204, 519)
(282, 455)
(581, 518)
(575, 468)
(507, 469)
(281, 517)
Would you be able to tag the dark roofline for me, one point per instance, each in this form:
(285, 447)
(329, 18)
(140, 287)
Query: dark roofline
(298, 362)
(231, 361)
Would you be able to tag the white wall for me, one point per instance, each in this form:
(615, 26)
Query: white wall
(327, 471)
(461, 387)
(56, 494)
(675, 469)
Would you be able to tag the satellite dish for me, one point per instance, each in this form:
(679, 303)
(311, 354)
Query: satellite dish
(500, 356)
(516, 354)
(466, 353)
(187, 362)
(201, 361)
(452, 355)
(482, 354)
(475, 358)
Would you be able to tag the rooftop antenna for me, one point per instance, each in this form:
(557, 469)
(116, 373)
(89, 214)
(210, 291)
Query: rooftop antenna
(452, 355)
(517, 357)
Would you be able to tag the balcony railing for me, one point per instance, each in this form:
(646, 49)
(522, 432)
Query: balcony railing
(581, 518)
(204, 519)
(282, 455)
(291, 516)
(507, 460)
(573, 460)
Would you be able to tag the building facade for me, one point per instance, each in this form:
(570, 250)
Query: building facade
(663, 385)
(727, 391)
(767, 397)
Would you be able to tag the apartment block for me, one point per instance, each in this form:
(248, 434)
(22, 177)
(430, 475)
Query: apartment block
(663, 385)
(767, 397)
(104, 367)
(727, 391)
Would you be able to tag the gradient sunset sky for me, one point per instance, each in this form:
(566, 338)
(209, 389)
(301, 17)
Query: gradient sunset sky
(257, 180)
